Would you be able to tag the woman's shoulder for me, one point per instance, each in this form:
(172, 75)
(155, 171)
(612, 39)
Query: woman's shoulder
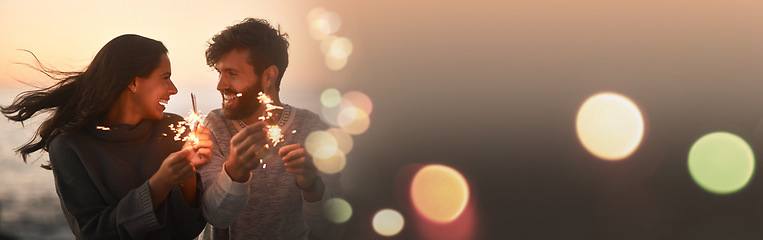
(62, 140)
(65, 146)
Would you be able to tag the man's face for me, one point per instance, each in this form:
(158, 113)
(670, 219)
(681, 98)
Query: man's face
(237, 77)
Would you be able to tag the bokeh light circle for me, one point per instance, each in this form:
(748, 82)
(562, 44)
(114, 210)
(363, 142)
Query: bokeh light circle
(439, 193)
(335, 63)
(315, 13)
(388, 222)
(332, 164)
(721, 162)
(341, 47)
(610, 126)
(330, 97)
(353, 120)
(337, 210)
(330, 115)
(357, 99)
(321, 144)
(343, 139)
(332, 20)
(322, 23)
(318, 29)
(326, 44)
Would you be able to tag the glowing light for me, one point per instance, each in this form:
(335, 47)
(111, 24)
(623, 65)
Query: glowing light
(721, 162)
(610, 126)
(321, 144)
(343, 139)
(331, 97)
(318, 30)
(439, 193)
(274, 131)
(335, 63)
(326, 44)
(337, 210)
(332, 20)
(357, 99)
(103, 128)
(322, 23)
(388, 222)
(353, 120)
(190, 123)
(332, 164)
(330, 114)
(341, 48)
(315, 13)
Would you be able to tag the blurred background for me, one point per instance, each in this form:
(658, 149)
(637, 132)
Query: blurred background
(467, 119)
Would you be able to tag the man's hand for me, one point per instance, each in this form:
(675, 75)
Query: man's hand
(297, 162)
(244, 149)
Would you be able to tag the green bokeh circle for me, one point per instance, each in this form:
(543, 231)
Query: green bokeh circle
(721, 162)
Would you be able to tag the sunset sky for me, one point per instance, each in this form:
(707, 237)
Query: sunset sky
(489, 88)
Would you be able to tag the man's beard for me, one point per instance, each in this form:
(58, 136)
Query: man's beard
(245, 105)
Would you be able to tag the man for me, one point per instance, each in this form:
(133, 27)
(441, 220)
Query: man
(253, 187)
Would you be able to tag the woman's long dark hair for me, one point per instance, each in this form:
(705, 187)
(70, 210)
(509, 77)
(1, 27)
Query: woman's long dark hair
(80, 99)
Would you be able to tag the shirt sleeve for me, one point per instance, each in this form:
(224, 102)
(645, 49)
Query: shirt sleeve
(223, 199)
(315, 212)
(187, 221)
(88, 213)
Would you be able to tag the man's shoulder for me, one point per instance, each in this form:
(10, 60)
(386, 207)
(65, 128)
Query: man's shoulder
(310, 119)
(215, 119)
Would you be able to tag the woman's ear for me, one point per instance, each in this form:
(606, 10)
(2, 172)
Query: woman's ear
(133, 87)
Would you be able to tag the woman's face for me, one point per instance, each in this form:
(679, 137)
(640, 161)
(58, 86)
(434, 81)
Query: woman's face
(153, 92)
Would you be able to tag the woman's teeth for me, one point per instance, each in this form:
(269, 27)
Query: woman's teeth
(163, 102)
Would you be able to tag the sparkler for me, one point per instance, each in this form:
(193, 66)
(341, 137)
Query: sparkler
(274, 131)
(189, 123)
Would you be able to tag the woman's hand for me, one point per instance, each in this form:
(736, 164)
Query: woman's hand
(175, 169)
(202, 149)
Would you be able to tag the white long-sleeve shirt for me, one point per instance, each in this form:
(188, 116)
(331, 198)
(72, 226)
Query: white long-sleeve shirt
(269, 205)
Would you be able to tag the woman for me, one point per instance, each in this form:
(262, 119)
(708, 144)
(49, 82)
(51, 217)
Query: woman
(119, 172)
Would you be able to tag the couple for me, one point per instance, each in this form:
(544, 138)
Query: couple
(120, 174)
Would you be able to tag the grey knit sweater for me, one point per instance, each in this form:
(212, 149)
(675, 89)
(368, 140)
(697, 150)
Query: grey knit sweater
(102, 182)
(269, 205)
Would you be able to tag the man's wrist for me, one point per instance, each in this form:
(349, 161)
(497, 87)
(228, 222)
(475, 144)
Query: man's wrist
(313, 187)
(236, 174)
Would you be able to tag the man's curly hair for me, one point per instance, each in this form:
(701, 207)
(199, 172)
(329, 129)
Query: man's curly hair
(267, 46)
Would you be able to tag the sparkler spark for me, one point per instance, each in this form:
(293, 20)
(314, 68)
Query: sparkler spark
(103, 128)
(189, 123)
(274, 131)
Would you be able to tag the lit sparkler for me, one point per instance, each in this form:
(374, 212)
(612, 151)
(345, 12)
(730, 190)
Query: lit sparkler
(190, 123)
(274, 131)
